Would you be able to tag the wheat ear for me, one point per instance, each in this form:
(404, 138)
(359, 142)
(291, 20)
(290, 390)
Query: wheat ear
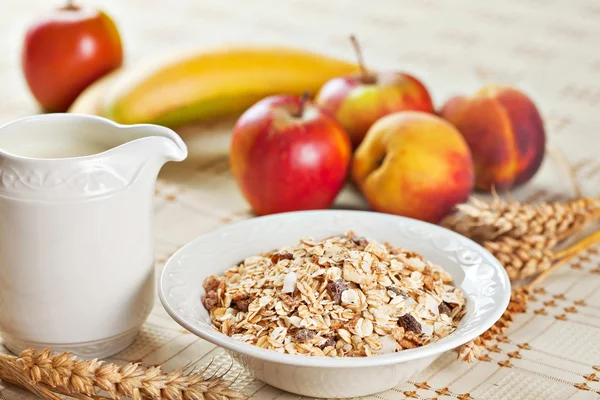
(486, 221)
(47, 375)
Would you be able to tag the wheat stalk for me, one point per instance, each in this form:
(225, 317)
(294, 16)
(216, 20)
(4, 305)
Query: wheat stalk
(476, 349)
(47, 375)
(560, 159)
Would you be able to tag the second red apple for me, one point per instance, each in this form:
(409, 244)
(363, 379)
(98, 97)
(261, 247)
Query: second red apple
(288, 155)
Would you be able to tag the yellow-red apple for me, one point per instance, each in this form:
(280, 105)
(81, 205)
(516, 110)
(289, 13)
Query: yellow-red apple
(288, 155)
(358, 101)
(413, 164)
(505, 133)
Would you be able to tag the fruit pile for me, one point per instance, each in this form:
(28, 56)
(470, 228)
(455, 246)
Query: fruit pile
(288, 152)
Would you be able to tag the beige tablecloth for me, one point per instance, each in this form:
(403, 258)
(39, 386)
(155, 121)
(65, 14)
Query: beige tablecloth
(549, 48)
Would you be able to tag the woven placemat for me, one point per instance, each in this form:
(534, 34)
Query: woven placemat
(548, 48)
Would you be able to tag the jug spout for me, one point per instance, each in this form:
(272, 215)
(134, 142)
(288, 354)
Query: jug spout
(148, 147)
(176, 150)
(145, 143)
(159, 142)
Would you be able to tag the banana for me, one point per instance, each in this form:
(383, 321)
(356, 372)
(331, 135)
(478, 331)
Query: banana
(214, 83)
(90, 100)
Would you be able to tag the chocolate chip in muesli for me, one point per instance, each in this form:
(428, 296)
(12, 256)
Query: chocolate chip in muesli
(444, 308)
(304, 335)
(336, 288)
(409, 323)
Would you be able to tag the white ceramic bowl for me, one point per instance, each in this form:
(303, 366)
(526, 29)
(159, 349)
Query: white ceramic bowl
(477, 272)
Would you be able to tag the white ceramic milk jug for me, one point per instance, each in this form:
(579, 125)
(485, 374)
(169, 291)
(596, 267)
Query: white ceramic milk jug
(76, 238)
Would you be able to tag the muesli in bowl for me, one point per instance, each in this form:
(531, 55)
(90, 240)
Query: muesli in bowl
(484, 292)
(342, 296)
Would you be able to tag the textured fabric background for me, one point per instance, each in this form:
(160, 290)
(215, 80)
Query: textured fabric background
(548, 48)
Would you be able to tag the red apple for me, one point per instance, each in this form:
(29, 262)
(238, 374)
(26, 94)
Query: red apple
(288, 155)
(358, 101)
(65, 51)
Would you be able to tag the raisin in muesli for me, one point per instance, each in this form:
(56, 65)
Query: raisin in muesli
(336, 288)
(359, 241)
(304, 335)
(211, 283)
(444, 308)
(285, 255)
(328, 342)
(396, 291)
(241, 301)
(409, 323)
(210, 300)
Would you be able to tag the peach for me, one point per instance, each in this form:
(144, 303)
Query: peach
(505, 133)
(414, 164)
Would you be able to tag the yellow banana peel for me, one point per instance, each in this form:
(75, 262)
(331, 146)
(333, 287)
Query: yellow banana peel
(90, 101)
(215, 83)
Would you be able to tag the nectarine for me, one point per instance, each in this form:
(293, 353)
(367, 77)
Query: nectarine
(413, 164)
(505, 133)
